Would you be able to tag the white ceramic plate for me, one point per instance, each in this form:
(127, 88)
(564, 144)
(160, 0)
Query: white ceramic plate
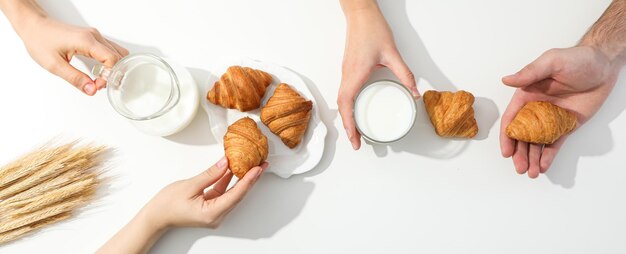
(284, 162)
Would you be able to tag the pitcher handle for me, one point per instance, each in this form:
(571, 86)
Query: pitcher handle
(101, 71)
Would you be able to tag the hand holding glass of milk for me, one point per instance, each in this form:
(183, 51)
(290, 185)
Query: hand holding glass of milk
(384, 111)
(156, 95)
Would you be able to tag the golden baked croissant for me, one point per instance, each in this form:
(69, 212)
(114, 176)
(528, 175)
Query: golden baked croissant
(245, 146)
(241, 88)
(541, 122)
(287, 115)
(451, 114)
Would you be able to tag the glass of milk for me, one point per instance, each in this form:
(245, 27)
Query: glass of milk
(384, 111)
(158, 96)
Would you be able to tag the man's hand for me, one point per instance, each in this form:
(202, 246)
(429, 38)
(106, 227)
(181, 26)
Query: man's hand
(578, 79)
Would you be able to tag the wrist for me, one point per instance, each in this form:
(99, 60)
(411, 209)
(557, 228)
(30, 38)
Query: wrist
(28, 23)
(367, 19)
(137, 236)
(356, 10)
(23, 15)
(614, 52)
(148, 223)
(608, 34)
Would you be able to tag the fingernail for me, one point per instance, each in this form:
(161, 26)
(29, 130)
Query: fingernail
(89, 88)
(222, 162)
(259, 172)
(416, 94)
(350, 133)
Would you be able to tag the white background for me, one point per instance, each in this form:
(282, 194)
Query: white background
(422, 195)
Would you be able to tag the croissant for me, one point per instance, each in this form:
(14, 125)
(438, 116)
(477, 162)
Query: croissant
(241, 88)
(541, 122)
(245, 146)
(451, 114)
(287, 115)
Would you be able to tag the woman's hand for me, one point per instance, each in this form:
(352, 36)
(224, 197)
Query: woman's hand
(369, 45)
(52, 45)
(185, 203)
(578, 79)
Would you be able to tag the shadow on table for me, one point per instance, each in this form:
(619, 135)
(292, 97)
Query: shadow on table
(272, 204)
(422, 139)
(198, 133)
(412, 47)
(199, 130)
(592, 139)
(65, 11)
(328, 117)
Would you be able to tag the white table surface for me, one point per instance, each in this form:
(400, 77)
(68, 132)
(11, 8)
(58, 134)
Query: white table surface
(422, 195)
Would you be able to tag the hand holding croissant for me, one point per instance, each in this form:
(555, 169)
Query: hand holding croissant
(578, 79)
(245, 146)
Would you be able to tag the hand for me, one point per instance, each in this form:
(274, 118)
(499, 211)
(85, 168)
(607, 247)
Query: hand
(52, 45)
(186, 204)
(578, 79)
(369, 45)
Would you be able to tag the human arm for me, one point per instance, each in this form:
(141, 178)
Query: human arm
(369, 45)
(53, 44)
(578, 79)
(183, 203)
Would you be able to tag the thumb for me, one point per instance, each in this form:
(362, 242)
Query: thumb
(350, 85)
(403, 73)
(540, 69)
(232, 197)
(209, 176)
(73, 76)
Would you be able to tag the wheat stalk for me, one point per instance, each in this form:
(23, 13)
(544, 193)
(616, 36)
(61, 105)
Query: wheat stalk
(25, 230)
(51, 197)
(57, 165)
(19, 220)
(28, 164)
(46, 186)
(40, 189)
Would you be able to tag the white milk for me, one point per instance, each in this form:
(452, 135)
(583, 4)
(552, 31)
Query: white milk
(147, 88)
(384, 111)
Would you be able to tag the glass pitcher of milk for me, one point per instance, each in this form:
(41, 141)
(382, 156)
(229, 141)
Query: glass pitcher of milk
(158, 96)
